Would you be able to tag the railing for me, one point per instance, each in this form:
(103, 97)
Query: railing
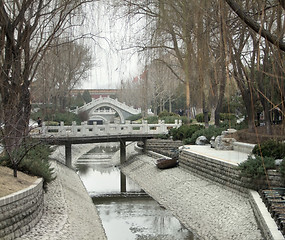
(109, 129)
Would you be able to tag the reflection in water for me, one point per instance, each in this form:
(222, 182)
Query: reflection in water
(139, 219)
(124, 212)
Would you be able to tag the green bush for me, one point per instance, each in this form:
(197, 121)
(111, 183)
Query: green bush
(185, 131)
(200, 117)
(270, 148)
(134, 117)
(152, 120)
(228, 116)
(51, 123)
(35, 163)
(51, 116)
(254, 167)
(207, 132)
(170, 119)
(230, 124)
(167, 114)
(185, 120)
(282, 169)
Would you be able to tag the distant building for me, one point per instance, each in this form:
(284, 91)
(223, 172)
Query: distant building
(96, 93)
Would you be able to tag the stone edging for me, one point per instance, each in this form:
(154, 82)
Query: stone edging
(21, 211)
(243, 147)
(265, 221)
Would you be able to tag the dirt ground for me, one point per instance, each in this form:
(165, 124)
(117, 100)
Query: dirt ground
(9, 184)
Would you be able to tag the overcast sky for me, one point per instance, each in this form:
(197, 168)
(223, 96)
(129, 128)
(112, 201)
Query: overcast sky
(111, 64)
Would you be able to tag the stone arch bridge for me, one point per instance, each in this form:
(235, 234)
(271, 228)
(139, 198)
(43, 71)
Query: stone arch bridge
(103, 110)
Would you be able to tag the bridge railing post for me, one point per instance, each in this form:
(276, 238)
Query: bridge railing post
(62, 128)
(83, 128)
(73, 127)
(128, 127)
(145, 127)
(95, 128)
(44, 128)
(107, 129)
(163, 127)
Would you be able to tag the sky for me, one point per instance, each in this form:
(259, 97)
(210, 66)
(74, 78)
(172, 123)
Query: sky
(111, 64)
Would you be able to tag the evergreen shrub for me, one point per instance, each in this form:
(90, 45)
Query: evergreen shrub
(166, 114)
(135, 117)
(270, 148)
(200, 117)
(256, 167)
(35, 163)
(207, 132)
(185, 131)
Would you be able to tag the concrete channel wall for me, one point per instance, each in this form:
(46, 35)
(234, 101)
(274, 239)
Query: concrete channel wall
(21, 211)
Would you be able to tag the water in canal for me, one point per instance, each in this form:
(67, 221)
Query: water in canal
(126, 211)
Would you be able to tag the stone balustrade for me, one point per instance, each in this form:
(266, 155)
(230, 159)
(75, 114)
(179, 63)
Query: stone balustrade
(21, 211)
(109, 129)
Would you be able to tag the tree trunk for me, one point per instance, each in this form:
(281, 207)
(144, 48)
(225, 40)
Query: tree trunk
(223, 65)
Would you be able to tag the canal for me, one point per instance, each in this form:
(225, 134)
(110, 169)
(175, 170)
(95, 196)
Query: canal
(126, 211)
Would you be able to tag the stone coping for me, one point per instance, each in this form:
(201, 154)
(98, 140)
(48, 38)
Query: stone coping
(268, 225)
(243, 147)
(13, 197)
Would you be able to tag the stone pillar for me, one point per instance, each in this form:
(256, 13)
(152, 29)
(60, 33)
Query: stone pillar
(123, 183)
(122, 151)
(144, 145)
(68, 159)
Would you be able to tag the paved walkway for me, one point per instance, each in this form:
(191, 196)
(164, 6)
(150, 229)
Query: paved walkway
(229, 156)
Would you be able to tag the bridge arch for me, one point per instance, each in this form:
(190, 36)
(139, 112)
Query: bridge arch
(124, 111)
(94, 112)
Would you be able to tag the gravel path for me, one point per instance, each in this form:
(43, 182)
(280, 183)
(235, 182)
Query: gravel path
(209, 210)
(68, 210)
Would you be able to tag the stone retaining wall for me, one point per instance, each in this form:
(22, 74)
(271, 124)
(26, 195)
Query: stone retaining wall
(163, 146)
(226, 173)
(215, 170)
(21, 211)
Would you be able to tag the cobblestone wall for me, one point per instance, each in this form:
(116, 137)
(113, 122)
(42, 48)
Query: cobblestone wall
(224, 173)
(21, 211)
(163, 146)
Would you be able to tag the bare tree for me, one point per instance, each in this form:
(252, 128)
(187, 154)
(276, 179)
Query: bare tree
(27, 30)
(257, 26)
(62, 68)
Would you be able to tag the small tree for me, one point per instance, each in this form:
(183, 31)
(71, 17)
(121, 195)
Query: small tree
(86, 96)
